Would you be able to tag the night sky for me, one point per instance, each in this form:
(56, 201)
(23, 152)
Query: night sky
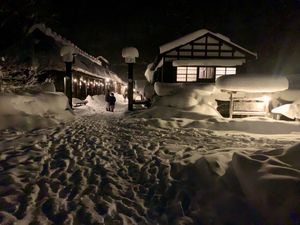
(271, 28)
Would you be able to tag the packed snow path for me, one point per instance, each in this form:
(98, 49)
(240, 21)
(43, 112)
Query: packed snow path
(107, 170)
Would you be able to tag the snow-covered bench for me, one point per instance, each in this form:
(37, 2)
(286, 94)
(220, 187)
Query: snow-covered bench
(249, 107)
(255, 89)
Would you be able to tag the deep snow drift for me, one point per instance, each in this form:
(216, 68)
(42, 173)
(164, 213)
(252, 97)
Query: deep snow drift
(179, 162)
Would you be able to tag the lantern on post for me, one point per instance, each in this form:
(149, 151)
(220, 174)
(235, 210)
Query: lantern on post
(130, 53)
(68, 55)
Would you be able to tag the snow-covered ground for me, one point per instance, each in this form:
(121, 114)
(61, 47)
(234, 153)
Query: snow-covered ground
(178, 162)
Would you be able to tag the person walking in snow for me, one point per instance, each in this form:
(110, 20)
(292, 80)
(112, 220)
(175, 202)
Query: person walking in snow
(112, 102)
(107, 97)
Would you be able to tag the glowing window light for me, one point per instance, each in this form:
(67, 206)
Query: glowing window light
(230, 70)
(192, 70)
(186, 74)
(220, 71)
(206, 72)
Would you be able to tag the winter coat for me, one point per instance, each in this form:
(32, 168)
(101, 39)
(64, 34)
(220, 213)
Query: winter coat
(112, 100)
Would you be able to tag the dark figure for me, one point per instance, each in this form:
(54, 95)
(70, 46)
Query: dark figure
(107, 97)
(125, 94)
(112, 102)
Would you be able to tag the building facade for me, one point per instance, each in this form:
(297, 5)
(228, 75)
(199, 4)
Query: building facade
(39, 54)
(201, 56)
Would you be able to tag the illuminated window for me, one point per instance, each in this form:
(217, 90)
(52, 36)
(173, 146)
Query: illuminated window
(186, 74)
(230, 70)
(220, 71)
(206, 72)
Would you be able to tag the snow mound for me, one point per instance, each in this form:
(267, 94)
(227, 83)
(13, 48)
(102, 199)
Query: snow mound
(291, 111)
(252, 83)
(96, 104)
(270, 182)
(163, 89)
(289, 95)
(182, 101)
(172, 101)
(32, 111)
(149, 73)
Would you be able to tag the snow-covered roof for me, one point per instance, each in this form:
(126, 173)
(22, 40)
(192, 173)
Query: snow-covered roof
(84, 62)
(102, 58)
(252, 83)
(195, 35)
(208, 62)
(115, 77)
(47, 31)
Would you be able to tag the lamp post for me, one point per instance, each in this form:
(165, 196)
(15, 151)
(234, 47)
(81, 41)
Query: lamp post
(130, 53)
(68, 54)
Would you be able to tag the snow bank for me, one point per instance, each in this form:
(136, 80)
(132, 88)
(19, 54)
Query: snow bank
(96, 104)
(289, 95)
(194, 106)
(163, 89)
(252, 83)
(32, 111)
(270, 182)
(291, 111)
(149, 73)
(193, 101)
(102, 170)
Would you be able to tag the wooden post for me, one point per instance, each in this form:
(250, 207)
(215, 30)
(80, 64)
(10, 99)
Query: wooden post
(68, 82)
(130, 54)
(231, 106)
(130, 86)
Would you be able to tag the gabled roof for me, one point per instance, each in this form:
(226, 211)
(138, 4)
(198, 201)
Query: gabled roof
(48, 58)
(58, 38)
(196, 35)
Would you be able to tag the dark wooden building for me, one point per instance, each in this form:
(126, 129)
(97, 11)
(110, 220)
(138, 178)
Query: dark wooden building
(201, 56)
(39, 53)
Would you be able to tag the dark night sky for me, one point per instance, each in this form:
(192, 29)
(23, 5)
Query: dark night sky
(271, 27)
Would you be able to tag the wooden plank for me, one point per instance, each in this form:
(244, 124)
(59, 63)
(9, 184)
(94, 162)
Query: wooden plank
(231, 105)
(203, 50)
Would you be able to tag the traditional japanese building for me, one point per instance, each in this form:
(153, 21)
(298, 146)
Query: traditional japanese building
(39, 54)
(201, 56)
